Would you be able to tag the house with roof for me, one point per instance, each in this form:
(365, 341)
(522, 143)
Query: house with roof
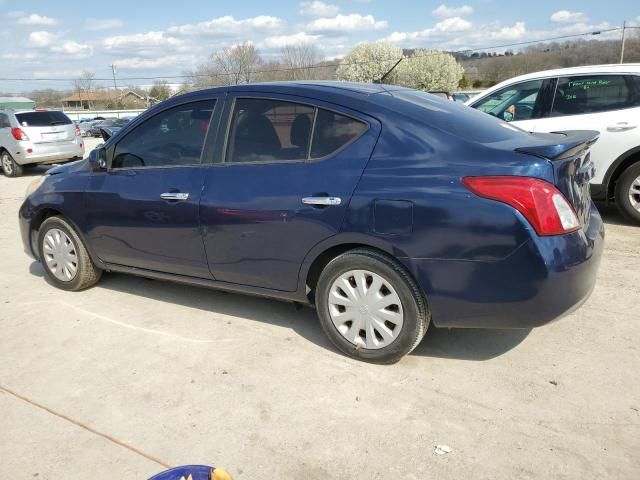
(85, 100)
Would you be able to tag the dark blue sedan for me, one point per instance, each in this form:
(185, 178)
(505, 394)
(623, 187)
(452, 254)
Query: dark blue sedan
(386, 208)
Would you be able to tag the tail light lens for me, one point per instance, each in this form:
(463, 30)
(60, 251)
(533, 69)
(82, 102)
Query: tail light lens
(541, 203)
(77, 130)
(19, 134)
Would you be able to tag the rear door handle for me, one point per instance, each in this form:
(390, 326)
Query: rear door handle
(174, 196)
(620, 127)
(324, 201)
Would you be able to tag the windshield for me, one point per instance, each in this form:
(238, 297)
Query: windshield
(42, 119)
(460, 120)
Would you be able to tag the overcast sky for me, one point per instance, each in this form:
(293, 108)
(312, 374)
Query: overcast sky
(58, 39)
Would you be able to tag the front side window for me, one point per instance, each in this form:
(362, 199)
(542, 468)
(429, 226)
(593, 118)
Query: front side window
(591, 94)
(515, 102)
(171, 138)
(265, 130)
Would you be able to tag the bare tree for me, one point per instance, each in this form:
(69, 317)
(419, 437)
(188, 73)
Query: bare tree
(83, 86)
(236, 65)
(300, 61)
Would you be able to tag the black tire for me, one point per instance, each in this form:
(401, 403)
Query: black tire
(87, 274)
(623, 188)
(9, 165)
(416, 313)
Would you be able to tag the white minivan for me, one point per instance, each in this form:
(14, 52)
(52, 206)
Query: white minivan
(598, 97)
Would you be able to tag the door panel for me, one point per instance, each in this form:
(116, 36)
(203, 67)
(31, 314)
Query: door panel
(144, 211)
(257, 229)
(129, 224)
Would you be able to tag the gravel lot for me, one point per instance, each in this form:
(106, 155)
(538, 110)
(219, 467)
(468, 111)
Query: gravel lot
(119, 380)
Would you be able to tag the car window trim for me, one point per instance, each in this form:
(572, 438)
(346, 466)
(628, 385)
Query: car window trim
(112, 148)
(284, 98)
(624, 77)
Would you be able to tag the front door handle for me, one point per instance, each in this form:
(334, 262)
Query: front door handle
(323, 201)
(174, 196)
(620, 127)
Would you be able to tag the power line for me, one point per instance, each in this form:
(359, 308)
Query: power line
(323, 65)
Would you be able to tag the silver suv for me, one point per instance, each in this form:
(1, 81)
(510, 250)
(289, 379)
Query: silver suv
(32, 137)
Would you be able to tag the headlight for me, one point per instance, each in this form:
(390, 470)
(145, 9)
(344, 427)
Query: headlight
(35, 185)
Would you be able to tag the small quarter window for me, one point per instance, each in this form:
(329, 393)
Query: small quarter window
(333, 131)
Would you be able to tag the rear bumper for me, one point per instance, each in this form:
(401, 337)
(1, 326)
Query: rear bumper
(47, 153)
(543, 280)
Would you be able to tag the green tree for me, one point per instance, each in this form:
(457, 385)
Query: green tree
(160, 90)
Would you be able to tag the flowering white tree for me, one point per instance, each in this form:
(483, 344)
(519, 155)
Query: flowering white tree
(368, 62)
(430, 70)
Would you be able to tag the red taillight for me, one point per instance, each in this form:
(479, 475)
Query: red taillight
(18, 134)
(542, 204)
(77, 130)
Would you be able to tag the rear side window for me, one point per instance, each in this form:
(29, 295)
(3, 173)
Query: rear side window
(333, 131)
(171, 138)
(4, 121)
(591, 94)
(269, 131)
(265, 130)
(42, 119)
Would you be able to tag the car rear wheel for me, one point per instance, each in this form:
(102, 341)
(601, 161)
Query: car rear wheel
(9, 165)
(370, 307)
(628, 193)
(64, 257)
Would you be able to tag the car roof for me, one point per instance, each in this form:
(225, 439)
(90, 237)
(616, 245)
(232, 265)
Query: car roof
(312, 88)
(633, 68)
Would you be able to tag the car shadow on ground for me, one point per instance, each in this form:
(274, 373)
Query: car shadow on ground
(467, 344)
(611, 215)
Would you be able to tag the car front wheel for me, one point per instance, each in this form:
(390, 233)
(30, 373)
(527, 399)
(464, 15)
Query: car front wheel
(64, 257)
(628, 193)
(370, 307)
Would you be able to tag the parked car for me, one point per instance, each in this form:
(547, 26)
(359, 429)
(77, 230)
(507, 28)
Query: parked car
(460, 97)
(385, 207)
(85, 128)
(31, 137)
(95, 130)
(605, 98)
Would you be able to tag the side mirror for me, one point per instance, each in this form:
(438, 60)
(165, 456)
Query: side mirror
(98, 158)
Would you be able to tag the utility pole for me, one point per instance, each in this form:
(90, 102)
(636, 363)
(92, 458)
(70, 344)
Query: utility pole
(115, 85)
(624, 28)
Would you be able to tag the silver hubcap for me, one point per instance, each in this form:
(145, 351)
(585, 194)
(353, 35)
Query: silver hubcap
(60, 255)
(634, 194)
(6, 163)
(365, 309)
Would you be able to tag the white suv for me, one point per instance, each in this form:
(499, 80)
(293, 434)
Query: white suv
(32, 137)
(599, 97)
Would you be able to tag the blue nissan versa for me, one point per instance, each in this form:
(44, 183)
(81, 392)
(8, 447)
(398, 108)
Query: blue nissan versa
(387, 208)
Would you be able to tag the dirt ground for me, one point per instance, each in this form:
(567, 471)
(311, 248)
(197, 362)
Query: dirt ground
(117, 381)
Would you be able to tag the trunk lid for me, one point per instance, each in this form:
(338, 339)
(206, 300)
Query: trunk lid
(568, 153)
(46, 126)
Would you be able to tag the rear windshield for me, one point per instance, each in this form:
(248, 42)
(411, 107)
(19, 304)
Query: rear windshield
(42, 119)
(460, 120)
